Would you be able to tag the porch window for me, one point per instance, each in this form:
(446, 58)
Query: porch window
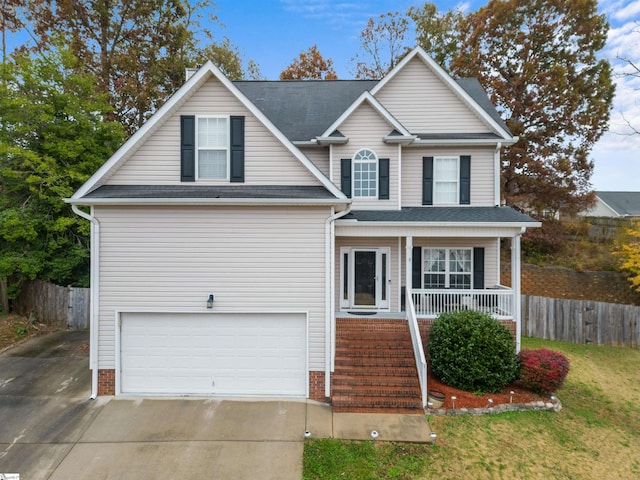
(446, 177)
(447, 267)
(212, 148)
(365, 174)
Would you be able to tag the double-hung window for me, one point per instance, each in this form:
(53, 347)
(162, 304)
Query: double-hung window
(446, 183)
(213, 148)
(447, 267)
(365, 174)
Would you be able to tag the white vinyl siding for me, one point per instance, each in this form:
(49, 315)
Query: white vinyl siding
(157, 161)
(482, 173)
(251, 259)
(366, 129)
(319, 157)
(423, 103)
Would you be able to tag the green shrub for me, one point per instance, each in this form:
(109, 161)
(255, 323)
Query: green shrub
(472, 351)
(542, 370)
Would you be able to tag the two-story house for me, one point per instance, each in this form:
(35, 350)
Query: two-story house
(246, 221)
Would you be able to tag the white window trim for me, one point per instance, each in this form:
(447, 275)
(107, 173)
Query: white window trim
(353, 176)
(447, 271)
(227, 148)
(436, 181)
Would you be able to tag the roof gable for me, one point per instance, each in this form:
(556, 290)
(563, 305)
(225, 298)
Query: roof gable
(407, 93)
(195, 82)
(369, 99)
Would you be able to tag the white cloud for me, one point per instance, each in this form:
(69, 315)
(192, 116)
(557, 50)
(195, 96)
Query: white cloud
(628, 12)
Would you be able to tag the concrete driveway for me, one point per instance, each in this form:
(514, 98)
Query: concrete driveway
(50, 429)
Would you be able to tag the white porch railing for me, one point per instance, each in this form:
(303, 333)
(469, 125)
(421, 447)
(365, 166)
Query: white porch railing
(498, 302)
(418, 349)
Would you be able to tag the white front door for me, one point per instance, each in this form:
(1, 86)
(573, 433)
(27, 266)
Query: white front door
(367, 283)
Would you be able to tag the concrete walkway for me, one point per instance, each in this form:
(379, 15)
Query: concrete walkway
(51, 430)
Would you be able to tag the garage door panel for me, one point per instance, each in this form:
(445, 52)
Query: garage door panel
(230, 354)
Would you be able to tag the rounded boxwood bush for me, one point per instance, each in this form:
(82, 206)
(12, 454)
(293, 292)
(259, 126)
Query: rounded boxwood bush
(472, 351)
(542, 370)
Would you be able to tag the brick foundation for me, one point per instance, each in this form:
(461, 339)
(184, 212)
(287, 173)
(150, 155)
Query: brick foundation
(316, 386)
(106, 382)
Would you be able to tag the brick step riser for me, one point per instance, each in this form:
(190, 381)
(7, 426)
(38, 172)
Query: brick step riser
(376, 362)
(357, 371)
(376, 391)
(374, 402)
(378, 380)
(372, 352)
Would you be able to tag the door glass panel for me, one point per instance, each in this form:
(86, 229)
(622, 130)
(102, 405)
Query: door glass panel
(365, 278)
(383, 284)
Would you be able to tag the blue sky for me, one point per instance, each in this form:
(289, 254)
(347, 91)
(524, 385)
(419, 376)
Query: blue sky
(274, 32)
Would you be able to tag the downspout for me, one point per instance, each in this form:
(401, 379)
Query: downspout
(93, 322)
(330, 245)
(496, 173)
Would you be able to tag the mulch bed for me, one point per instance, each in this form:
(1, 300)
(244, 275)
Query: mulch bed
(466, 399)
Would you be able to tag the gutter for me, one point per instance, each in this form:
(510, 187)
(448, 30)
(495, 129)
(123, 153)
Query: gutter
(496, 173)
(329, 335)
(94, 284)
(208, 201)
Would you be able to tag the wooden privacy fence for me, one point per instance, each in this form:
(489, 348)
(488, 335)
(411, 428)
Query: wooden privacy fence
(54, 305)
(581, 321)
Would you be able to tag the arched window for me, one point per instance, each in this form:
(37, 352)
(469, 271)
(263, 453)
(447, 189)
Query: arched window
(365, 174)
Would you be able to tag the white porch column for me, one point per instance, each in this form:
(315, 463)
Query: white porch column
(515, 284)
(408, 269)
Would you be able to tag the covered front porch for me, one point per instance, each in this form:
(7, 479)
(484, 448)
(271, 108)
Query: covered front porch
(397, 268)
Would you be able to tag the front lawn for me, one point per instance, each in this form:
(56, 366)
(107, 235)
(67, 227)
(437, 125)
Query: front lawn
(596, 435)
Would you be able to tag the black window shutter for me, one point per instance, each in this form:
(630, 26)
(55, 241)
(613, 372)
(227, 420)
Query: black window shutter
(383, 179)
(465, 180)
(416, 267)
(345, 176)
(237, 149)
(187, 148)
(427, 180)
(478, 267)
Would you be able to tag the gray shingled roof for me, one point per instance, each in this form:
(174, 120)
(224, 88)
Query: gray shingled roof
(623, 203)
(443, 215)
(209, 191)
(304, 109)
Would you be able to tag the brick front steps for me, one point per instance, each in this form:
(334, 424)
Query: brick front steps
(375, 370)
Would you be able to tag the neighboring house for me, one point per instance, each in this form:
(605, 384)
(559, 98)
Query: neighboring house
(615, 204)
(234, 230)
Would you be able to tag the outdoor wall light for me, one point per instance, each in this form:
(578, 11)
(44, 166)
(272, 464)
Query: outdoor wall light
(210, 301)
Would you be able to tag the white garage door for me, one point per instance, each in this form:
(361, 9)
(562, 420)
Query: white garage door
(219, 354)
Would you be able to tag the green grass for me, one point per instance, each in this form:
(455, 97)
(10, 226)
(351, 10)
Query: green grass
(596, 435)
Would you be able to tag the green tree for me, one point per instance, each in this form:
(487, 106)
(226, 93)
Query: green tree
(310, 65)
(437, 33)
(382, 45)
(53, 136)
(137, 49)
